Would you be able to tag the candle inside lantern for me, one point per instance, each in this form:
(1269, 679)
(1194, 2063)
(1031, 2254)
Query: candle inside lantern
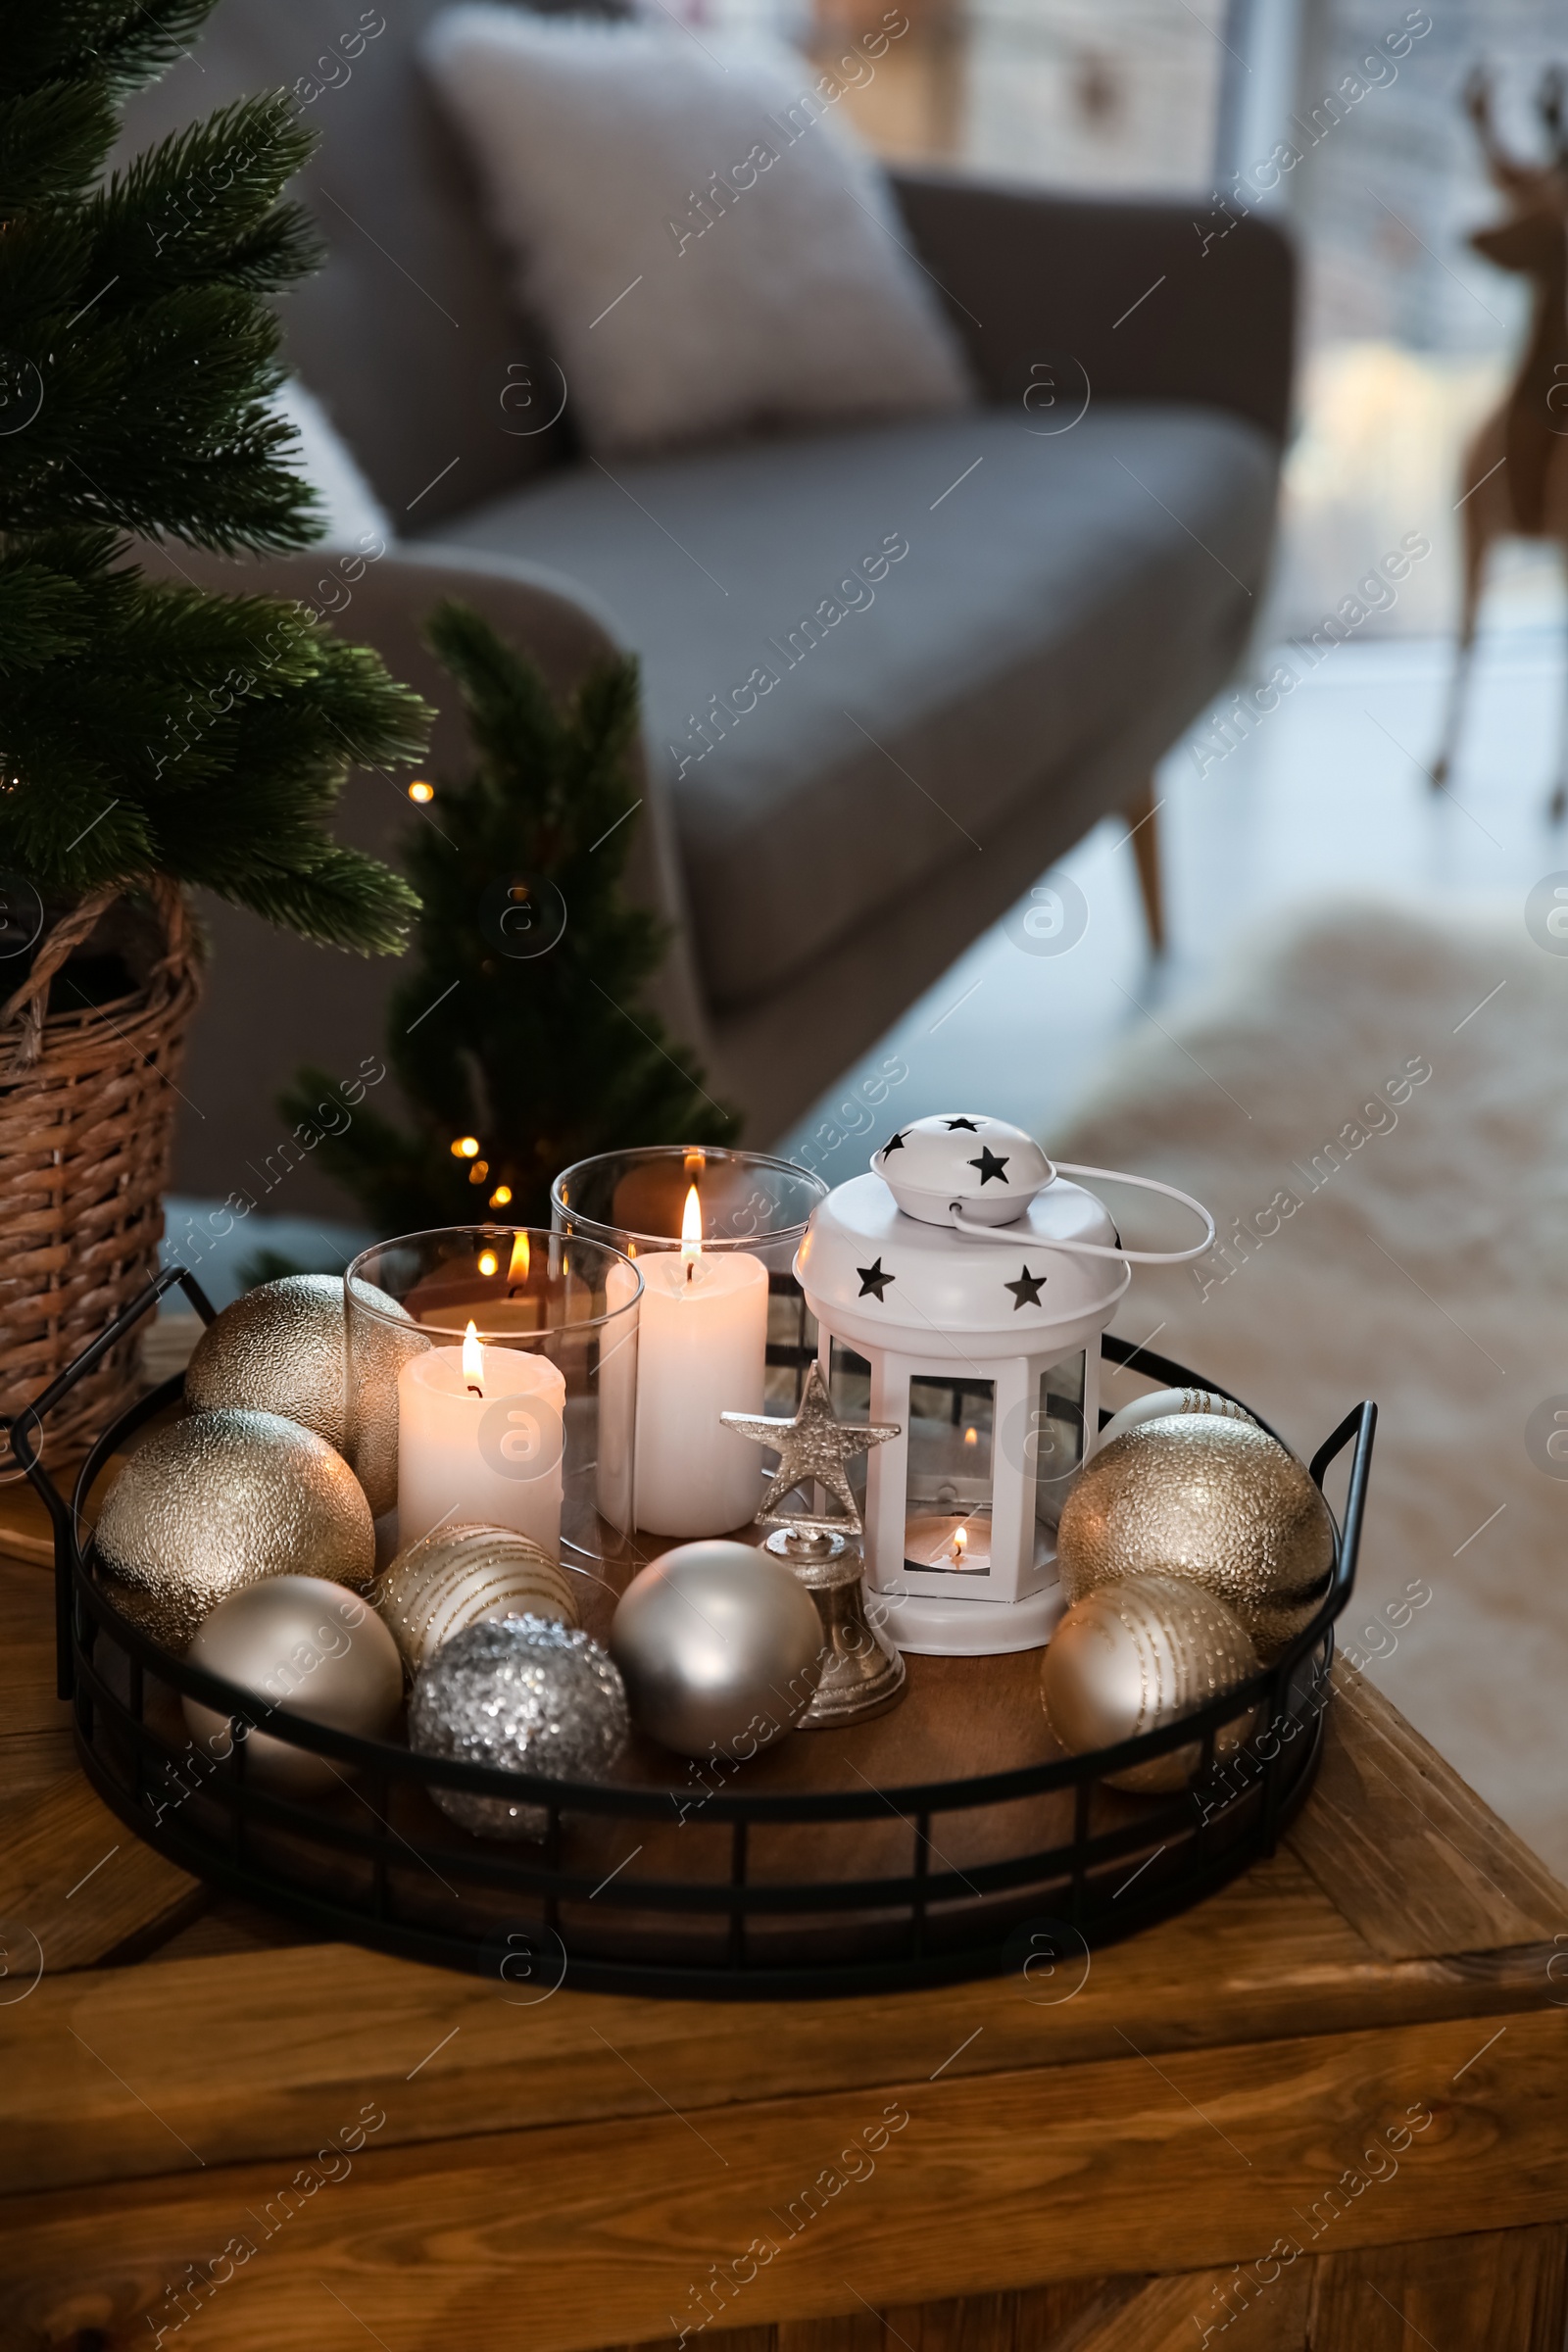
(959, 1546)
(480, 1435)
(702, 1349)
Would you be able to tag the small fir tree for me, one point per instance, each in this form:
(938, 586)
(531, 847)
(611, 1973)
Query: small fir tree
(517, 1034)
(149, 728)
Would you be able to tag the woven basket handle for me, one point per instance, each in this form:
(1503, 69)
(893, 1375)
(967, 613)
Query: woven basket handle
(30, 1000)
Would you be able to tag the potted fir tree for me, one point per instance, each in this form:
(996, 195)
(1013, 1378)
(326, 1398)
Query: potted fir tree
(151, 737)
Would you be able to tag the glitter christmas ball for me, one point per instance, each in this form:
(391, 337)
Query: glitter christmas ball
(221, 1500)
(456, 1577)
(1160, 1402)
(523, 1694)
(1210, 1499)
(300, 1644)
(283, 1349)
(720, 1645)
(1138, 1655)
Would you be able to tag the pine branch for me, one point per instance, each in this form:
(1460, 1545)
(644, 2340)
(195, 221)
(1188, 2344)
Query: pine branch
(52, 143)
(122, 43)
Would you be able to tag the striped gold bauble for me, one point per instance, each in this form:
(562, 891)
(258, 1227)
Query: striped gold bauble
(1135, 1656)
(459, 1575)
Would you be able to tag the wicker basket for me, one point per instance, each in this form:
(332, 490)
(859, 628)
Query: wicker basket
(86, 1124)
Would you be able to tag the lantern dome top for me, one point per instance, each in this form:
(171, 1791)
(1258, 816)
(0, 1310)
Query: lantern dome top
(992, 1169)
(879, 1277)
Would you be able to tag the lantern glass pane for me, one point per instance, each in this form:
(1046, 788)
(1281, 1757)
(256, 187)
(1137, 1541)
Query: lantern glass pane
(1055, 1444)
(947, 1504)
(850, 1386)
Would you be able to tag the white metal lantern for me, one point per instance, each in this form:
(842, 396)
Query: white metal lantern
(961, 1290)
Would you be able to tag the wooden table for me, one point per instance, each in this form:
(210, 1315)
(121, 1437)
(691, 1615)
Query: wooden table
(1325, 2110)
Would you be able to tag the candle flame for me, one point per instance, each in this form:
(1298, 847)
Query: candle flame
(960, 1538)
(472, 1360)
(972, 1436)
(517, 1271)
(691, 1231)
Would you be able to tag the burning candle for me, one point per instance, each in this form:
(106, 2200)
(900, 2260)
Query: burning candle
(481, 1436)
(702, 1351)
(959, 1546)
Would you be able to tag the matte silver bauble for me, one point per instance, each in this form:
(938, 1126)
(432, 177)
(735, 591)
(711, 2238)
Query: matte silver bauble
(523, 1694)
(221, 1500)
(1136, 1656)
(283, 1348)
(1162, 1402)
(461, 1575)
(721, 1648)
(1214, 1500)
(305, 1645)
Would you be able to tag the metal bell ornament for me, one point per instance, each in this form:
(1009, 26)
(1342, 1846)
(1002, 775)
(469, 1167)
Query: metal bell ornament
(960, 1288)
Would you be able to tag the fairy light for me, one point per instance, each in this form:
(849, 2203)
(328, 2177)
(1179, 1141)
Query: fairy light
(466, 1146)
(488, 1261)
(500, 1196)
(479, 1171)
(422, 792)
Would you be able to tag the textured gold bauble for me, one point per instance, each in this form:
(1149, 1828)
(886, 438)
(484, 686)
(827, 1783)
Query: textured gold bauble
(283, 1349)
(461, 1575)
(221, 1500)
(1136, 1656)
(1215, 1501)
(301, 1645)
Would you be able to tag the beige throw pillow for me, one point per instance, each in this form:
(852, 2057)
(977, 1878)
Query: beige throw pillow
(709, 248)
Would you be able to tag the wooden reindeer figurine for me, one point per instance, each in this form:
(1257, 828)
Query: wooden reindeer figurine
(1514, 471)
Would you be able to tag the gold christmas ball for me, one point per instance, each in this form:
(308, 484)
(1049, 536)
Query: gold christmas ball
(221, 1500)
(283, 1349)
(302, 1643)
(1214, 1500)
(1138, 1655)
(461, 1575)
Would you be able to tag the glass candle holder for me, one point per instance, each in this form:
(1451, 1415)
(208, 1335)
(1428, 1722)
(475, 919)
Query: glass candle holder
(723, 1325)
(492, 1378)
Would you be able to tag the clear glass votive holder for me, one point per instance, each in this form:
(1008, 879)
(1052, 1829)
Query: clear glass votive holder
(492, 1378)
(723, 1325)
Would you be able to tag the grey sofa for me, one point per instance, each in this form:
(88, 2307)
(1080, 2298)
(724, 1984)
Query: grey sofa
(1066, 600)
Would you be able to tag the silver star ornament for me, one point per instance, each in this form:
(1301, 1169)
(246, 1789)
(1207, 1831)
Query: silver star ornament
(813, 1447)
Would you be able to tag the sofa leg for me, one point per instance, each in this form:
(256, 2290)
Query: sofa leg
(1143, 835)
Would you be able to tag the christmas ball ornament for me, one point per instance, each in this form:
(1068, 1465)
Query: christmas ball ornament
(303, 1644)
(1138, 1655)
(1161, 1401)
(1210, 1499)
(461, 1575)
(221, 1500)
(720, 1647)
(283, 1348)
(523, 1694)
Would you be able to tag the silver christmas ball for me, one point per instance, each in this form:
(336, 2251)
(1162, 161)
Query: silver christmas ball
(523, 1694)
(283, 1349)
(719, 1645)
(221, 1500)
(303, 1644)
(1161, 1401)
(1208, 1499)
(1136, 1656)
(462, 1576)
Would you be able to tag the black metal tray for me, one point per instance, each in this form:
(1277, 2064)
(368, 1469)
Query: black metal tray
(753, 1888)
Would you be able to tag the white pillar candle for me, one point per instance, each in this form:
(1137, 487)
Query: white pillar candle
(481, 1436)
(702, 1351)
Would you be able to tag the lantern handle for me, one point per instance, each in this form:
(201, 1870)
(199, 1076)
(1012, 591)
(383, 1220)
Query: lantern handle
(1007, 1235)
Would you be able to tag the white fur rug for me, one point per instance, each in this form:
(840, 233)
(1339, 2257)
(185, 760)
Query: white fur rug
(1424, 1262)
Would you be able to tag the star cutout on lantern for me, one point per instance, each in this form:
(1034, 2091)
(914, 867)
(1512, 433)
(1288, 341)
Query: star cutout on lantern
(813, 1450)
(952, 1124)
(989, 1164)
(897, 1144)
(872, 1279)
(1026, 1289)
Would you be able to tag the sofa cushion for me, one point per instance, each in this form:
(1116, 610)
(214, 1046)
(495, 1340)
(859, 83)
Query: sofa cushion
(863, 651)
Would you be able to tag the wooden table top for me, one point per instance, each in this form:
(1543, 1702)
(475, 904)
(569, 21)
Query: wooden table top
(406, 2152)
